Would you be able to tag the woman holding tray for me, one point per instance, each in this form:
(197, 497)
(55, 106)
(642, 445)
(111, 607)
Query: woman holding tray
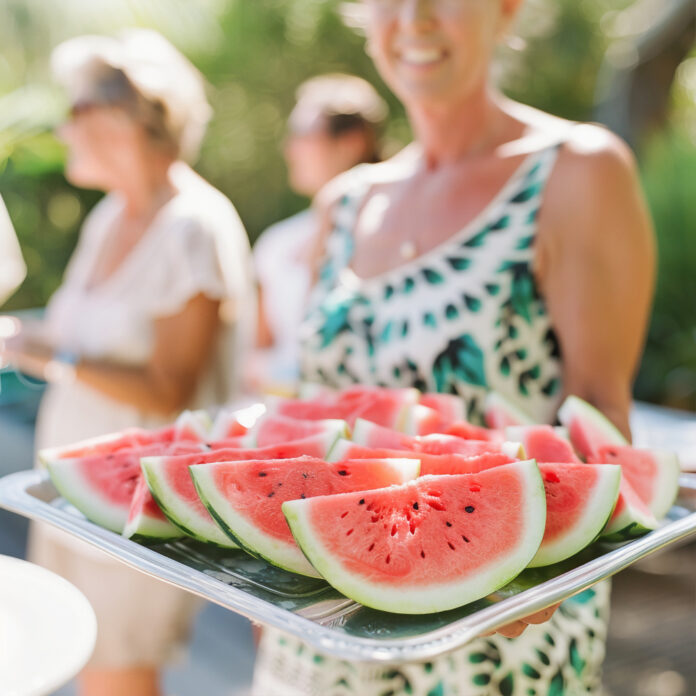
(504, 249)
(154, 314)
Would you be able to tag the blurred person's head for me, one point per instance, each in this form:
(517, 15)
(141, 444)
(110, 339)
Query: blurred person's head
(136, 104)
(432, 52)
(333, 127)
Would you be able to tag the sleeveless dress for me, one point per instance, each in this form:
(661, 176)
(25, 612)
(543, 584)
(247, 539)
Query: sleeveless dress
(464, 318)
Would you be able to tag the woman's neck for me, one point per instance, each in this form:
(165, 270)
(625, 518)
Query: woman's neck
(148, 189)
(449, 132)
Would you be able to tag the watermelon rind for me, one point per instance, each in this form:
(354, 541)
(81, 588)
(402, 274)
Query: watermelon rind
(362, 431)
(244, 533)
(176, 511)
(596, 515)
(73, 486)
(497, 402)
(197, 422)
(339, 451)
(145, 528)
(666, 485)
(513, 449)
(630, 523)
(575, 408)
(416, 599)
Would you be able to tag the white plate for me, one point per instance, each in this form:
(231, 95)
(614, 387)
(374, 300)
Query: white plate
(47, 629)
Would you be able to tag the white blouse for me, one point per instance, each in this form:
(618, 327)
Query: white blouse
(196, 244)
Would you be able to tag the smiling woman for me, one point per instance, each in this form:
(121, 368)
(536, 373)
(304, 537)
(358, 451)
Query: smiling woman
(505, 249)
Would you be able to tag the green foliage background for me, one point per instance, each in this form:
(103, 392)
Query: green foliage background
(254, 53)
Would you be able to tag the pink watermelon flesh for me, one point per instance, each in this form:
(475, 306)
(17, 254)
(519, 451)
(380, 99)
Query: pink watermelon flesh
(146, 515)
(275, 429)
(412, 548)
(382, 406)
(449, 407)
(258, 488)
(177, 475)
(629, 502)
(379, 437)
(468, 431)
(542, 443)
(579, 502)
(433, 464)
(638, 467)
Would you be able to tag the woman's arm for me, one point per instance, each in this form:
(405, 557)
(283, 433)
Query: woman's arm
(164, 386)
(596, 267)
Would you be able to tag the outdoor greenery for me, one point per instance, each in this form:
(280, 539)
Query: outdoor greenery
(254, 53)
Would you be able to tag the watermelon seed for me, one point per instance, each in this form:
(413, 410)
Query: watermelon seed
(304, 475)
(393, 531)
(388, 558)
(451, 545)
(303, 496)
(343, 472)
(412, 527)
(262, 473)
(271, 494)
(422, 554)
(361, 501)
(344, 514)
(465, 539)
(349, 532)
(436, 505)
(449, 524)
(372, 546)
(415, 506)
(469, 508)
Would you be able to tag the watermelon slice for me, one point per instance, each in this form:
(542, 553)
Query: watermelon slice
(652, 474)
(387, 407)
(146, 520)
(101, 486)
(499, 412)
(450, 407)
(589, 429)
(579, 501)
(192, 425)
(631, 518)
(274, 429)
(246, 497)
(171, 485)
(543, 443)
(372, 435)
(230, 424)
(431, 545)
(431, 464)
(468, 431)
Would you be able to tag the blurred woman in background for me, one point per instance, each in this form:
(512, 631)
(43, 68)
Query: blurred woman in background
(155, 313)
(333, 127)
(505, 249)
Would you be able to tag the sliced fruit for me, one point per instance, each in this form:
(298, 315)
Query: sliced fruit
(500, 412)
(275, 429)
(246, 497)
(588, 428)
(652, 474)
(543, 443)
(145, 518)
(101, 486)
(631, 518)
(229, 424)
(579, 501)
(431, 464)
(433, 544)
(171, 485)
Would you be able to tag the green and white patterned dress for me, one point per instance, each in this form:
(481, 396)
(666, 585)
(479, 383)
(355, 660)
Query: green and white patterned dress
(464, 318)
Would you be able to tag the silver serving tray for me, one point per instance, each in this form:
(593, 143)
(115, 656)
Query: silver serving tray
(317, 613)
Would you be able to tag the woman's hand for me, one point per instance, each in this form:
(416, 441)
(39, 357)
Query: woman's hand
(517, 628)
(22, 347)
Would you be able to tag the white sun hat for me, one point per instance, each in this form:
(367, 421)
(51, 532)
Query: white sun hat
(89, 67)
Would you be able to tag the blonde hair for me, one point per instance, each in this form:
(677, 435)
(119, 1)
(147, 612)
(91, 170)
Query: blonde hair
(140, 71)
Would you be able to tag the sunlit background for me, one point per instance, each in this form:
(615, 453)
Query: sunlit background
(628, 63)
